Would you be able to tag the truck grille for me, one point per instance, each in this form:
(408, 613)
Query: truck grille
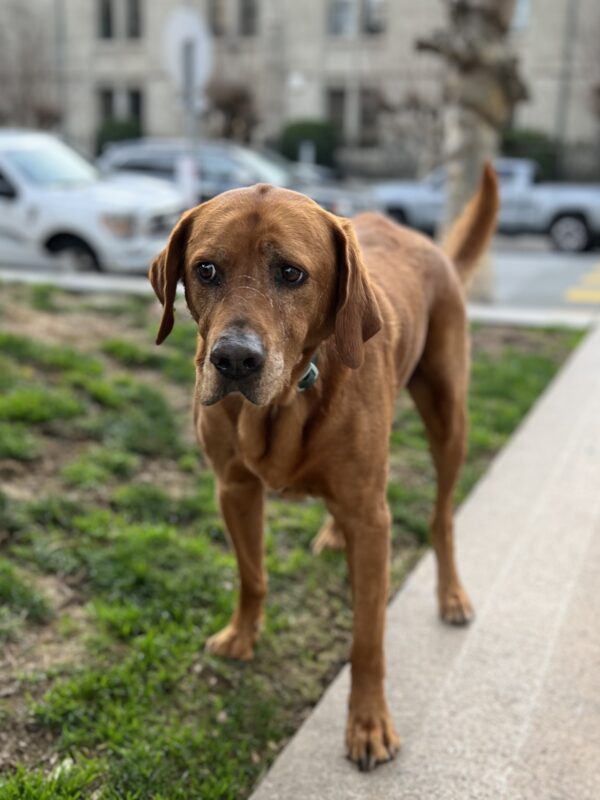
(163, 224)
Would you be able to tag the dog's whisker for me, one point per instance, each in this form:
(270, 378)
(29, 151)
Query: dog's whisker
(253, 289)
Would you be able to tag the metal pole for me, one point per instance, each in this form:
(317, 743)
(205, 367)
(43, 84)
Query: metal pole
(353, 77)
(190, 177)
(188, 54)
(61, 82)
(566, 75)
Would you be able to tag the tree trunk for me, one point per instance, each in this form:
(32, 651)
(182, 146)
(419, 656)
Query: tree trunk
(481, 88)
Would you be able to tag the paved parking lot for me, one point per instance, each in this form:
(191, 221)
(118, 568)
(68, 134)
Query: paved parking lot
(528, 273)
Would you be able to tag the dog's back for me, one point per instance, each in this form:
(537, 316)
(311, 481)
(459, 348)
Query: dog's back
(416, 279)
(392, 251)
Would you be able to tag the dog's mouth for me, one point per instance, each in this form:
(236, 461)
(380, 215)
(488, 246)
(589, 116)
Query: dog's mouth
(259, 388)
(248, 388)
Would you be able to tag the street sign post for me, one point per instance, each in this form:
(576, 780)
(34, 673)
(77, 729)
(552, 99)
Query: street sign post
(189, 62)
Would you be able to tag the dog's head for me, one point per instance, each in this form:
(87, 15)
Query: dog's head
(268, 276)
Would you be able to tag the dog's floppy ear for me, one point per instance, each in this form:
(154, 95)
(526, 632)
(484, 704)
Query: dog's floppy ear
(357, 316)
(165, 272)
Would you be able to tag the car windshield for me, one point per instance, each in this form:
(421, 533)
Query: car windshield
(264, 168)
(51, 164)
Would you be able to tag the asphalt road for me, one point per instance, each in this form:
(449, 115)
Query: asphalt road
(526, 274)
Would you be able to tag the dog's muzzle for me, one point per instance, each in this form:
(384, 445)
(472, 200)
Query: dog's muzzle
(238, 355)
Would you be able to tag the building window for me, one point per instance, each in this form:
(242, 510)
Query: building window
(106, 104)
(370, 105)
(340, 17)
(135, 105)
(248, 17)
(134, 19)
(521, 13)
(373, 16)
(336, 110)
(216, 17)
(105, 19)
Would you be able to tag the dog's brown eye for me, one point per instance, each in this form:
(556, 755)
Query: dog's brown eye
(207, 272)
(292, 275)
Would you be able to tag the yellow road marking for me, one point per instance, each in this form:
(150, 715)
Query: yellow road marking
(577, 295)
(588, 290)
(592, 278)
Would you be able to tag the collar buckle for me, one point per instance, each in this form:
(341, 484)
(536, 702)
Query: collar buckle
(308, 380)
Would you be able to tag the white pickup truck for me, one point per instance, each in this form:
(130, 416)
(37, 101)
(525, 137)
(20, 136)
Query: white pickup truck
(53, 202)
(568, 213)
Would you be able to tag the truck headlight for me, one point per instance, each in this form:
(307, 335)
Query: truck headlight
(120, 225)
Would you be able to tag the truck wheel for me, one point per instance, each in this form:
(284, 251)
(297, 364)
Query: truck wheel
(79, 256)
(570, 234)
(398, 215)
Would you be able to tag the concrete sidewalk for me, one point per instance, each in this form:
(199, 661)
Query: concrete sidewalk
(508, 709)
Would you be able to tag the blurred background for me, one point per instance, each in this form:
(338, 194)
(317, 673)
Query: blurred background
(343, 73)
(359, 103)
(116, 116)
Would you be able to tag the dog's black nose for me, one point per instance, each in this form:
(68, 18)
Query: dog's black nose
(238, 355)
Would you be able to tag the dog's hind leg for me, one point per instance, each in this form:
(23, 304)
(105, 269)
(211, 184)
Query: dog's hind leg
(439, 392)
(329, 537)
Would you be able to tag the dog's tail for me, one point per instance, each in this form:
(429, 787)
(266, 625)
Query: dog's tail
(469, 236)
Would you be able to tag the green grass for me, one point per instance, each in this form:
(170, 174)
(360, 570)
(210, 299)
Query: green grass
(48, 357)
(9, 373)
(37, 404)
(130, 354)
(122, 513)
(71, 782)
(132, 309)
(17, 442)
(44, 298)
(182, 338)
(98, 466)
(178, 366)
(19, 602)
(146, 426)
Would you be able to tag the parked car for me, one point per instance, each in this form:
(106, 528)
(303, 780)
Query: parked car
(52, 201)
(568, 213)
(19, 252)
(223, 165)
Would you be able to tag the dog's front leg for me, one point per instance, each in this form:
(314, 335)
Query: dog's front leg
(370, 734)
(241, 497)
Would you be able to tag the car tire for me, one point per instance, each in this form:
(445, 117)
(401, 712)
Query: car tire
(398, 215)
(570, 234)
(78, 254)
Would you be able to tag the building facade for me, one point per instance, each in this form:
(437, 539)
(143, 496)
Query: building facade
(352, 62)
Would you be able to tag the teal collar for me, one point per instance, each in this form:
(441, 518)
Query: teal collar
(308, 380)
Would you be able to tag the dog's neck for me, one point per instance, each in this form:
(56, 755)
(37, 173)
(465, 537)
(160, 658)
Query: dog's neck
(274, 436)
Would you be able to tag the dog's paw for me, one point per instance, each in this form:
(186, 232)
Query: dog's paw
(329, 537)
(232, 642)
(456, 608)
(371, 739)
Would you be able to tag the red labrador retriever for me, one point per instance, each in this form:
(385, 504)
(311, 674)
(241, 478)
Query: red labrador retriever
(308, 326)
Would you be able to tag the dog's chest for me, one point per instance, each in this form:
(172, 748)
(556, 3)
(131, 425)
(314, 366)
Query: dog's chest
(274, 445)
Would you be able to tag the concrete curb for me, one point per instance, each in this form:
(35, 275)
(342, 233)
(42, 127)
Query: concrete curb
(577, 319)
(80, 281)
